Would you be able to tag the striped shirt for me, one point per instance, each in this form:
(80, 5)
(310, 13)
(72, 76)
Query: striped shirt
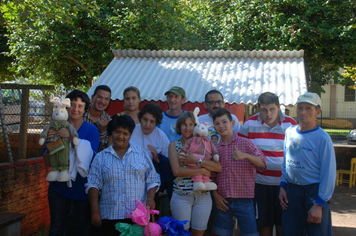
(271, 142)
(103, 137)
(122, 181)
(237, 178)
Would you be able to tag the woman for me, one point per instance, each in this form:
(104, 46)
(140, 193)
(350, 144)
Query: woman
(187, 204)
(132, 99)
(62, 198)
(123, 173)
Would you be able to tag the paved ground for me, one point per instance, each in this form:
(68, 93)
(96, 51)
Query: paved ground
(343, 207)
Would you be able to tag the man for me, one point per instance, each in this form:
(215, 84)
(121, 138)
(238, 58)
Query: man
(175, 99)
(266, 129)
(308, 173)
(214, 100)
(96, 114)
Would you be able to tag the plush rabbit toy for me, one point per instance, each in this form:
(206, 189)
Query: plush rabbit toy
(201, 146)
(59, 147)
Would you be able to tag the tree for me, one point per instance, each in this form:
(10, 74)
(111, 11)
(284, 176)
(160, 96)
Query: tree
(69, 41)
(325, 30)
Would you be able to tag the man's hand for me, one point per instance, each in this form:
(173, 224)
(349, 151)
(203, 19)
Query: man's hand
(220, 202)
(154, 152)
(96, 218)
(315, 214)
(103, 124)
(283, 199)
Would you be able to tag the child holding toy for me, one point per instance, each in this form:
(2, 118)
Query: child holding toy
(187, 204)
(239, 158)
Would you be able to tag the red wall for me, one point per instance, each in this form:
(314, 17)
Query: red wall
(23, 189)
(236, 109)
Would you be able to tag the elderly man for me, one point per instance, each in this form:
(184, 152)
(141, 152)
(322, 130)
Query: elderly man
(308, 173)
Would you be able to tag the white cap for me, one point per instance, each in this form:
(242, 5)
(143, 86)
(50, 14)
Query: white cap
(311, 98)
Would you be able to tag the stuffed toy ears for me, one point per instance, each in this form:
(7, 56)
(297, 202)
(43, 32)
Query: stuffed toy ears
(66, 102)
(195, 113)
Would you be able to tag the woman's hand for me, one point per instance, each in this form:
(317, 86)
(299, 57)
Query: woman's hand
(154, 153)
(187, 158)
(96, 218)
(64, 133)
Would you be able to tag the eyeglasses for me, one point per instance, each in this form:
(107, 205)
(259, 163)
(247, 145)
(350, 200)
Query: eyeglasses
(219, 102)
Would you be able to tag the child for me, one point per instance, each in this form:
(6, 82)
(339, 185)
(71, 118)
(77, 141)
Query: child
(239, 158)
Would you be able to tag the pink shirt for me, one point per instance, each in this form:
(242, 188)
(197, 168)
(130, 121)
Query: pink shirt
(237, 178)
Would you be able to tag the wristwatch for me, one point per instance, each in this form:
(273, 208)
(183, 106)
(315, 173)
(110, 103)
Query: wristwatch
(199, 162)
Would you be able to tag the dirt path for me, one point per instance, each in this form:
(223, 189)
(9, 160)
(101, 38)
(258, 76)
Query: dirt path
(343, 208)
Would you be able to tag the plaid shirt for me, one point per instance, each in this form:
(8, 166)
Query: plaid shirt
(122, 181)
(103, 137)
(237, 178)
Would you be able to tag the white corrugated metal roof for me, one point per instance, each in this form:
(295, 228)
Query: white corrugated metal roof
(241, 76)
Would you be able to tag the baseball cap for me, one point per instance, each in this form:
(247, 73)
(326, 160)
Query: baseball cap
(177, 90)
(311, 98)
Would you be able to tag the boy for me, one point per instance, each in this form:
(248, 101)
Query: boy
(239, 158)
(266, 129)
(123, 173)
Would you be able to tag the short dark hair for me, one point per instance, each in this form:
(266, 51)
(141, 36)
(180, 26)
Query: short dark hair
(213, 91)
(154, 110)
(102, 87)
(134, 89)
(268, 98)
(221, 112)
(123, 121)
(75, 94)
(181, 119)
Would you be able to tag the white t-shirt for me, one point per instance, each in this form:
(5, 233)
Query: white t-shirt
(207, 119)
(158, 139)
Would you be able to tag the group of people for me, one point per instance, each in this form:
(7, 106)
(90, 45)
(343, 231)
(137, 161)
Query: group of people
(268, 168)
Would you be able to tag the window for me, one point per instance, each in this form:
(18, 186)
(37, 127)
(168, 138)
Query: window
(350, 93)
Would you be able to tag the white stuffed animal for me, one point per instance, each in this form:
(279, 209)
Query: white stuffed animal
(59, 147)
(202, 147)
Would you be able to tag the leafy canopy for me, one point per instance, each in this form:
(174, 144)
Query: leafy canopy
(69, 41)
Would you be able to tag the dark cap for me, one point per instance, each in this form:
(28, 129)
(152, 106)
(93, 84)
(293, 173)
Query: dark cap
(177, 90)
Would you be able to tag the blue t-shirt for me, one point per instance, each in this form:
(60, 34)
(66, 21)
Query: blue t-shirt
(168, 126)
(77, 191)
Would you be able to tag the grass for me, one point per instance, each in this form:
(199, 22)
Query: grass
(342, 132)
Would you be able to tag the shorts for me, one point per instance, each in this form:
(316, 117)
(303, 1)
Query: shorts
(196, 209)
(268, 208)
(243, 210)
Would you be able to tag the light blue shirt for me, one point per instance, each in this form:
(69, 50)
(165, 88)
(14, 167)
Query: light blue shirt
(309, 158)
(122, 181)
(168, 126)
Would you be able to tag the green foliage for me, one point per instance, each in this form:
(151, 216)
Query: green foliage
(69, 42)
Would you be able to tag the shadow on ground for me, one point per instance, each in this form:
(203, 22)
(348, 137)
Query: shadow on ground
(343, 207)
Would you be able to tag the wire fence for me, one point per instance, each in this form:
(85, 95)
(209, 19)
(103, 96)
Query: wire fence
(24, 111)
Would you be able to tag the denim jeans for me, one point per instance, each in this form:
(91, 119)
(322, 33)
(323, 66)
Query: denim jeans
(61, 207)
(294, 219)
(243, 210)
